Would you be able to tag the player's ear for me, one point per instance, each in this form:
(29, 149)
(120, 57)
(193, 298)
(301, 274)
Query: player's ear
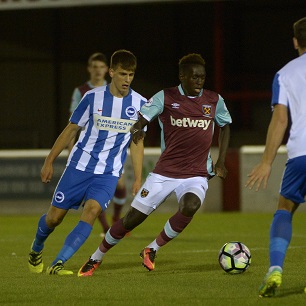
(181, 76)
(111, 72)
(295, 43)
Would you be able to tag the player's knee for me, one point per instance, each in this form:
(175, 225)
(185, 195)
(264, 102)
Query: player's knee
(120, 192)
(55, 216)
(54, 220)
(91, 211)
(286, 204)
(133, 218)
(189, 204)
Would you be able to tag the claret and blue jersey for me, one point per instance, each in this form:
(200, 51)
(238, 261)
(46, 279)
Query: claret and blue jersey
(105, 137)
(187, 125)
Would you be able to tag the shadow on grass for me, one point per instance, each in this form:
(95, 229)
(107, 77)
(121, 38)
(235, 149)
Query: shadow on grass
(163, 267)
(289, 291)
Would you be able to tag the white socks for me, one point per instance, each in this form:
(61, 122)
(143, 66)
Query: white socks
(97, 255)
(154, 245)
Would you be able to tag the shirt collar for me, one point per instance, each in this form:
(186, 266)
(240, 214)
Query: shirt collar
(183, 94)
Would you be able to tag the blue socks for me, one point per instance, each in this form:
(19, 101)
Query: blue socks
(280, 236)
(43, 231)
(74, 241)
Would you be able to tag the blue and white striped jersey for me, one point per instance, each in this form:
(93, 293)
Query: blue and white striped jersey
(289, 89)
(105, 136)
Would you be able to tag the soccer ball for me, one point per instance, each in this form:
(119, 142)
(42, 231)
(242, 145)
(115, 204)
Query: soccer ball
(234, 257)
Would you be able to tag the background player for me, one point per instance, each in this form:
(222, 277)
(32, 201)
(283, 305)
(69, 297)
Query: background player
(186, 114)
(95, 163)
(289, 92)
(97, 68)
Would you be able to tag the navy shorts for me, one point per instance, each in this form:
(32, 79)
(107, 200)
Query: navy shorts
(76, 187)
(293, 186)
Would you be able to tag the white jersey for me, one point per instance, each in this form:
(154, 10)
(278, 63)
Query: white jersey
(105, 137)
(289, 89)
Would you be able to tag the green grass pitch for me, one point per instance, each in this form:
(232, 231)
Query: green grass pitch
(187, 270)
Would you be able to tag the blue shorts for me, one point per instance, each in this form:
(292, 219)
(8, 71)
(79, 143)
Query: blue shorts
(76, 186)
(293, 186)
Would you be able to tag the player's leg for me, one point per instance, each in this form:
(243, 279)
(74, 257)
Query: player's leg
(103, 221)
(151, 194)
(280, 237)
(191, 193)
(59, 207)
(189, 204)
(293, 190)
(76, 237)
(119, 199)
(46, 226)
(114, 235)
(99, 191)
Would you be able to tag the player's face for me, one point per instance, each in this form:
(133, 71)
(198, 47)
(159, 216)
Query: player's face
(193, 79)
(97, 71)
(121, 81)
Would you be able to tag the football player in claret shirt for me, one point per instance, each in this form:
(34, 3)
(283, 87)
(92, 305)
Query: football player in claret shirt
(95, 163)
(187, 114)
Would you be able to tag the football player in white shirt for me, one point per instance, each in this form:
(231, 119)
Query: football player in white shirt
(289, 93)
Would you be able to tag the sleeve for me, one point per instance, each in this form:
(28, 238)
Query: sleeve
(279, 93)
(153, 107)
(81, 114)
(222, 116)
(75, 100)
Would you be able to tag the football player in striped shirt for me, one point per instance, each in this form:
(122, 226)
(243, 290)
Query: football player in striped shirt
(104, 116)
(97, 68)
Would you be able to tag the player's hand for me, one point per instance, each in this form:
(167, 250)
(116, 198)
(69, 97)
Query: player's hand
(137, 134)
(220, 170)
(259, 176)
(46, 173)
(136, 187)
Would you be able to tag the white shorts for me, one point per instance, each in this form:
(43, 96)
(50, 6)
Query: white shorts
(157, 188)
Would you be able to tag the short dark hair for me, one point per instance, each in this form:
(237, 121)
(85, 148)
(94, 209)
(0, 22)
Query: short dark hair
(98, 56)
(299, 30)
(125, 59)
(191, 59)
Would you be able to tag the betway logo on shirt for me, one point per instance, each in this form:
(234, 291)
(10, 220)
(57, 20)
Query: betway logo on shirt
(187, 122)
(113, 124)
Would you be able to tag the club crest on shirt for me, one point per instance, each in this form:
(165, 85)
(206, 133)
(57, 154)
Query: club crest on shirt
(144, 193)
(149, 102)
(206, 110)
(175, 105)
(131, 112)
(59, 197)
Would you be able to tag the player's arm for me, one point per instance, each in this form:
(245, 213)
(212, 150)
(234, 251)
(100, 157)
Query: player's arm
(276, 131)
(148, 112)
(223, 141)
(75, 100)
(137, 153)
(137, 129)
(71, 143)
(223, 119)
(60, 144)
